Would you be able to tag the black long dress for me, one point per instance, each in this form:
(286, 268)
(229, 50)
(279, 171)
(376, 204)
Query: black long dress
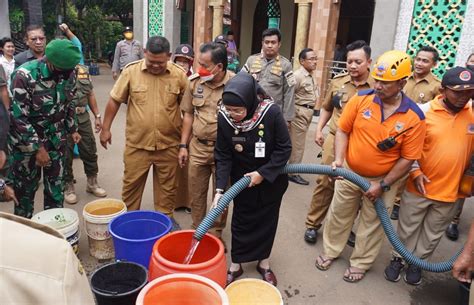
(256, 209)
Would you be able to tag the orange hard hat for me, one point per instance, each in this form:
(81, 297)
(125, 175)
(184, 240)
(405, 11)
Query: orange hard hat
(391, 66)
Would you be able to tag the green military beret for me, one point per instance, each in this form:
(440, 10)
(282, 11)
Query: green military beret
(63, 54)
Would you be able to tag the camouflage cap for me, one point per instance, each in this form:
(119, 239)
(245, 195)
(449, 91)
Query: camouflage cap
(63, 54)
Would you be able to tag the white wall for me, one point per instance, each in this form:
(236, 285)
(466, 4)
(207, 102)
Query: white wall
(384, 26)
(4, 19)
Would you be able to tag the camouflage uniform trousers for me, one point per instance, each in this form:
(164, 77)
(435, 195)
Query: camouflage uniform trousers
(87, 151)
(24, 177)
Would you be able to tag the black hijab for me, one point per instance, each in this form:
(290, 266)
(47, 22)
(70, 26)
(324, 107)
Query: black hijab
(243, 91)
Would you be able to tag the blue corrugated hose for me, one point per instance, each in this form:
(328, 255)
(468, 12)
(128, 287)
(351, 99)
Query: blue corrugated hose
(240, 185)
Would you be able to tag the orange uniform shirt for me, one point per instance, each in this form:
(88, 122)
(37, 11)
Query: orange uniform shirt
(447, 150)
(363, 120)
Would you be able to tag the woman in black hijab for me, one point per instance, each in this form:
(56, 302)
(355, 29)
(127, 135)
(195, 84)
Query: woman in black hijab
(253, 141)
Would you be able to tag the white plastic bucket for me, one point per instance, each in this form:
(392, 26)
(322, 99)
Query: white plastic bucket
(97, 215)
(65, 221)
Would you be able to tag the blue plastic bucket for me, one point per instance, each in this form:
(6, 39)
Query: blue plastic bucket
(134, 234)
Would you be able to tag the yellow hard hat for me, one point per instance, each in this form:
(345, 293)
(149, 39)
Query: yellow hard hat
(391, 66)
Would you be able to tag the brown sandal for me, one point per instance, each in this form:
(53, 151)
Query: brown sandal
(322, 263)
(353, 276)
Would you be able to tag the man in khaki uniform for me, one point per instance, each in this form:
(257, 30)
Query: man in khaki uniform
(38, 266)
(274, 73)
(340, 90)
(422, 86)
(306, 93)
(153, 88)
(200, 105)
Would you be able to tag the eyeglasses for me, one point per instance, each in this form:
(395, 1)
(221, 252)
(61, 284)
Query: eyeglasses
(38, 38)
(235, 111)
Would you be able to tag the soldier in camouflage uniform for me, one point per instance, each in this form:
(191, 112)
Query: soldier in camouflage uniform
(42, 114)
(87, 148)
(274, 73)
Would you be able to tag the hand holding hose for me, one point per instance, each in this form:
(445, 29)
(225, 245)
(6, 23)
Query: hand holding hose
(255, 178)
(216, 200)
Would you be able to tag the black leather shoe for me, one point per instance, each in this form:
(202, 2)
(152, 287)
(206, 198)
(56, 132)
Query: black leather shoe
(394, 215)
(297, 179)
(267, 275)
(351, 242)
(452, 232)
(233, 275)
(311, 235)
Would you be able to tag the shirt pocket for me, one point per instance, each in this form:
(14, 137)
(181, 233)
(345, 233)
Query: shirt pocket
(43, 101)
(172, 95)
(274, 80)
(139, 95)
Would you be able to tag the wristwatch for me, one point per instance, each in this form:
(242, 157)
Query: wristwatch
(2, 186)
(182, 145)
(385, 186)
(219, 191)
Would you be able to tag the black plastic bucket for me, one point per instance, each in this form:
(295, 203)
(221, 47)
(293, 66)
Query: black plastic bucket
(464, 289)
(118, 283)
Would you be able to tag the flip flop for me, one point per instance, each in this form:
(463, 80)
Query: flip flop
(323, 266)
(350, 279)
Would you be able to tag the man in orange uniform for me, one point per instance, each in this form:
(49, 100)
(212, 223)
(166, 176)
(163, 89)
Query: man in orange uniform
(428, 203)
(380, 135)
(152, 88)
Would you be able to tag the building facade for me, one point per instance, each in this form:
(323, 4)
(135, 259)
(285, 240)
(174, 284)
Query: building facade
(318, 24)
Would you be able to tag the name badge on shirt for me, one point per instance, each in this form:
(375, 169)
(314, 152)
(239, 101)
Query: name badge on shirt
(260, 149)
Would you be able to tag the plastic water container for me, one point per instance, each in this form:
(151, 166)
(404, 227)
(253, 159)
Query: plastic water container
(182, 289)
(253, 292)
(170, 251)
(118, 283)
(65, 221)
(134, 234)
(97, 216)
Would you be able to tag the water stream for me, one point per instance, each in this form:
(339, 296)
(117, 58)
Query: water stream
(192, 250)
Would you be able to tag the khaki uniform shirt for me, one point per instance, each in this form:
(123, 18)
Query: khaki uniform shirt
(342, 85)
(38, 266)
(306, 92)
(153, 115)
(276, 78)
(423, 90)
(203, 100)
(84, 89)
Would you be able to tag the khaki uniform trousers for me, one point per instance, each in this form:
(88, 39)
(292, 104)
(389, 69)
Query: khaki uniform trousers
(298, 131)
(324, 190)
(422, 222)
(137, 164)
(348, 199)
(201, 168)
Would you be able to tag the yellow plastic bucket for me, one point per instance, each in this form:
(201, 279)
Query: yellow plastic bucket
(97, 215)
(253, 292)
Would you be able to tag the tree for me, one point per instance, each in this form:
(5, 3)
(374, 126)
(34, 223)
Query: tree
(121, 9)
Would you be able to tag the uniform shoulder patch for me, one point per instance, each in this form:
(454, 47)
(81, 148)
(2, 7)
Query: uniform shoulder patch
(290, 78)
(365, 92)
(132, 63)
(193, 76)
(178, 66)
(341, 75)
